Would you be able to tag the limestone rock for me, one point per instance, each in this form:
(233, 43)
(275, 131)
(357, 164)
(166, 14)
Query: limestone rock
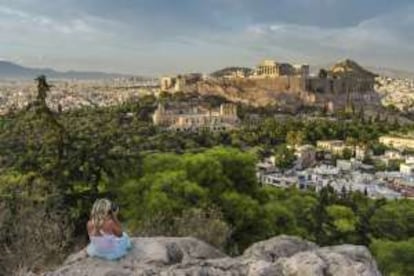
(275, 248)
(303, 263)
(358, 256)
(283, 255)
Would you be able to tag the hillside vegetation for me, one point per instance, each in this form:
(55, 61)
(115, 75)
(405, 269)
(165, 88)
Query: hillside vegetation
(53, 166)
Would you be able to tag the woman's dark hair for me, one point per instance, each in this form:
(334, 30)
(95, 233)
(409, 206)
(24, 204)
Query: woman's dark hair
(114, 207)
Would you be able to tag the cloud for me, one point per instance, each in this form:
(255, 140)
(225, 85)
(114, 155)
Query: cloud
(16, 22)
(374, 39)
(165, 35)
(13, 12)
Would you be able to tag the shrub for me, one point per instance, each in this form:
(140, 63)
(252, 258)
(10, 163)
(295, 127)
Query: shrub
(207, 225)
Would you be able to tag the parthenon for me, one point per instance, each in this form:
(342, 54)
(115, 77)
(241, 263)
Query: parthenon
(272, 69)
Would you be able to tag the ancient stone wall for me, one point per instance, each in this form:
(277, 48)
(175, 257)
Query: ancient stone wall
(277, 84)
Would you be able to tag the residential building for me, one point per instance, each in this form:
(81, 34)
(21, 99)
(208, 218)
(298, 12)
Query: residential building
(400, 143)
(409, 159)
(305, 156)
(407, 169)
(348, 165)
(279, 180)
(393, 155)
(362, 153)
(344, 165)
(389, 156)
(266, 167)
(333, 146)
(396, 92)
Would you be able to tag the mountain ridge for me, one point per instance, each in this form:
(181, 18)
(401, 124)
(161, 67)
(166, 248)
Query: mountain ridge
(11, 70)
(380, 70)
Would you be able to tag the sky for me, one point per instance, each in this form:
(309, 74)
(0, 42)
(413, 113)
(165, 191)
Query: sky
(171, 36)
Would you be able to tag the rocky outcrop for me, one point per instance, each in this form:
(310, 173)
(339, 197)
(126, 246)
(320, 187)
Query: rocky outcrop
(350, 68)
(283, 255)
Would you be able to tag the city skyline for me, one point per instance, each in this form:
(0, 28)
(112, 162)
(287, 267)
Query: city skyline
(160, 36)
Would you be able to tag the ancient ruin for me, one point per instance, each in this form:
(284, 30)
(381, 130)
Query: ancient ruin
(194, 117)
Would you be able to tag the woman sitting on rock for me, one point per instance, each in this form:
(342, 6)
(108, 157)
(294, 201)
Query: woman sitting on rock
(105, 232)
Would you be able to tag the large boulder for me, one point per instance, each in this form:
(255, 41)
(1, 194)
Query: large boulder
(275, 248)
(283, 255)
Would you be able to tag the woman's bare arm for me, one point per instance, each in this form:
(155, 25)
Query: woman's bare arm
(116, 228)
(89, 228)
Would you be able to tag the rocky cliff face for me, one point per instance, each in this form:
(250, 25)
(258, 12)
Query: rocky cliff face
(287, 93)
(281, 255)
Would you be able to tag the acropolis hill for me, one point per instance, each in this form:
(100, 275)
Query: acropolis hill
(285, 85)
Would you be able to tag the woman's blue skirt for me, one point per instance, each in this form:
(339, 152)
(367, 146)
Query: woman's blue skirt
(109, 247)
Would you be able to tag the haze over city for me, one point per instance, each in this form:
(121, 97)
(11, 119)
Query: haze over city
(161, 36)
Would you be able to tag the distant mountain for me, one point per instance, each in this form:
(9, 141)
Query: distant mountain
(9, 70)
(350, 68)
(383, 71)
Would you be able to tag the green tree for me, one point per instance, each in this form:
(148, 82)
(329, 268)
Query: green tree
(394, 220)
(243, 214)
(208, 173)
(323, 74)
(42, 89)
(280, 220)
(394, 258)
(302, 205)
(323, 222)
(295, 138)
(344, 222)
(347, 153)
(205, 224)
(284, 157)
(160, 195)
(231, 160)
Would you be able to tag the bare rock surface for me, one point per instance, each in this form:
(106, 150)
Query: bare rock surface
(283, 255)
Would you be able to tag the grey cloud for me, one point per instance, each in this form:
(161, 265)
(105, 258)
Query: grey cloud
(167, 35)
